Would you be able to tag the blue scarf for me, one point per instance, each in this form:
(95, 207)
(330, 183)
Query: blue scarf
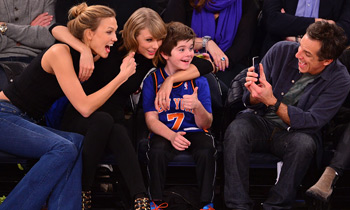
(203, 22)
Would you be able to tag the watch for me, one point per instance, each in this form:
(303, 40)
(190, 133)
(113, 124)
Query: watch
(274, 108)
(3, 28)
(205, 39)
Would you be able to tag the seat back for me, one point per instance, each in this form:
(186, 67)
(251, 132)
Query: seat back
(9, 71)
(25, 163)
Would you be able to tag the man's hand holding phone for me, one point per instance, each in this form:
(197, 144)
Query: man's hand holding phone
(259, 92)
(255, 62)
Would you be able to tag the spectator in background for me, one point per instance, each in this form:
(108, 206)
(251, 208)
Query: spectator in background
(301, 88)
(231, 25)
(24, 31)
(288, 20)
(24, 28)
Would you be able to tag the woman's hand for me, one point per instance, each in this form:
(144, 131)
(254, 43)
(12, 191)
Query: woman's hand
(128, 67)
(220, 59)
(162, 99)
(206, 56)
(86, 64)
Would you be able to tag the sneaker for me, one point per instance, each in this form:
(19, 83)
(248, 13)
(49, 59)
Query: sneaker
(86, 200)
(154, 206)
(209, 206)
(142, 204)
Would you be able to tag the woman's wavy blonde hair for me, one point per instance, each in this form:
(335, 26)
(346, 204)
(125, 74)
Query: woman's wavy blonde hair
(82, 17)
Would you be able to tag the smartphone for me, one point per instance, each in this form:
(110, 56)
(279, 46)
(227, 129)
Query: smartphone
(255, 61)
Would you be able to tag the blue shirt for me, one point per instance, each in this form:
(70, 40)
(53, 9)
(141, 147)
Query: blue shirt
(177, 118)
(308, 8)
(321, 98)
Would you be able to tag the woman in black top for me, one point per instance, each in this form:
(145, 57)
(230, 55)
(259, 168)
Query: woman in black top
(143, 33)
(56, 177)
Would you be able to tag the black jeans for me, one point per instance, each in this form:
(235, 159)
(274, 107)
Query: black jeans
(203, 151)
(251, 133)
(341, 158)
(101, 132)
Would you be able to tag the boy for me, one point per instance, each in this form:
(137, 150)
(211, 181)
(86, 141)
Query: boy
(183, 126)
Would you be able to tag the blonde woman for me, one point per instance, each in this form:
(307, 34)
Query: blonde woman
(56, 176)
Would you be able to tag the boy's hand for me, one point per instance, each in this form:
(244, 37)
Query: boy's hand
(191, 101)
(179, 142)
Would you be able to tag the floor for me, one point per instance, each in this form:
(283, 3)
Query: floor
(109, 192)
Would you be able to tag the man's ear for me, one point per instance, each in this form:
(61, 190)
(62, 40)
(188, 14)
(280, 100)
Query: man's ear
(166, 57)
(326, 62)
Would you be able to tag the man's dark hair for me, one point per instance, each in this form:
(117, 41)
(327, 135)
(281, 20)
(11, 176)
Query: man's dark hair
(332, 37)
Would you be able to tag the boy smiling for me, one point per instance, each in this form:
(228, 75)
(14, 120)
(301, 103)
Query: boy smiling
(184, 126)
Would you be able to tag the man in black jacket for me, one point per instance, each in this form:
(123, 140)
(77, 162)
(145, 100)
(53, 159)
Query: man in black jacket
(284, 19)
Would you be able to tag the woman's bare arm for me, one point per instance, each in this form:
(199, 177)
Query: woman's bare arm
(58, 61)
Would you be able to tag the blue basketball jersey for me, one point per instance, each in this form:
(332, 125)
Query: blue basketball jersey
(177, 118)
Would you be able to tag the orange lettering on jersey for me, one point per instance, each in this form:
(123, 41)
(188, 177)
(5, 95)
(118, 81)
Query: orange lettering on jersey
(177, 102)
(182, 105)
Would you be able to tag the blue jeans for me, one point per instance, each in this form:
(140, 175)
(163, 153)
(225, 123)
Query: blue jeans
(56, 177)
(251, 133)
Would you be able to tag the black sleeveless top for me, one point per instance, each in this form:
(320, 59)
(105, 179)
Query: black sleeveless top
(35, 90)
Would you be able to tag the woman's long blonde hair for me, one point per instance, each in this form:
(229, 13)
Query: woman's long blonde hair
(82, 17)
(141, 19)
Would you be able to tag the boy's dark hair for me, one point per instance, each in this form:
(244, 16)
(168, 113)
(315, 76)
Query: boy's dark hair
(332, 37)
(176, 32)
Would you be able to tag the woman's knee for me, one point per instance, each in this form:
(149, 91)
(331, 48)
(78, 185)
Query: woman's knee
(76, 139)
(66, 150)
(101, 120)
(121, 131)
